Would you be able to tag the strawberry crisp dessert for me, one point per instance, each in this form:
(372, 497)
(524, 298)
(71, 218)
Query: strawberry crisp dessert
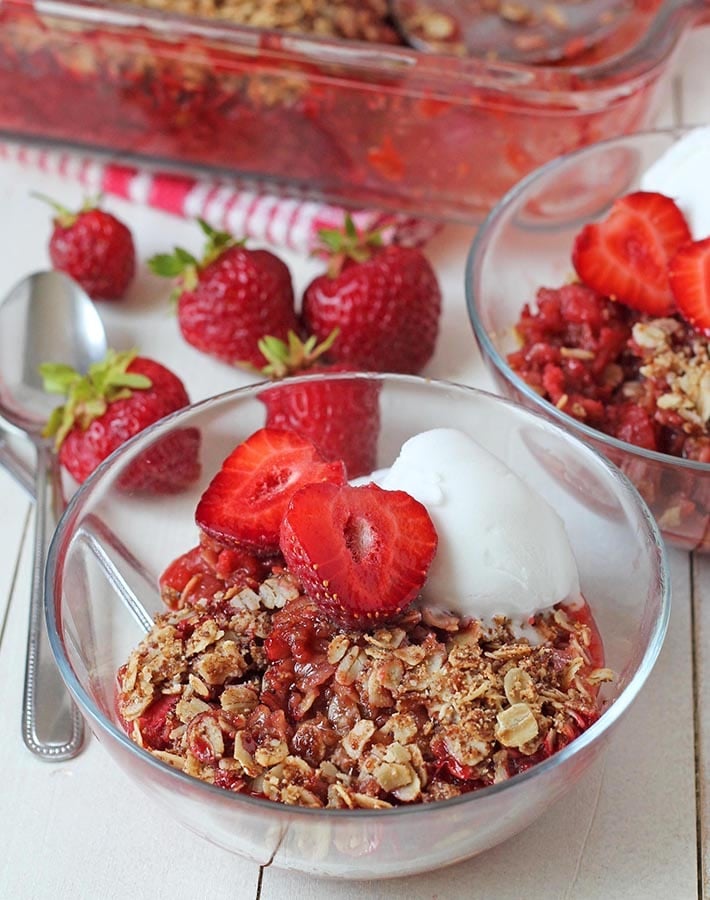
(367, 643)
(624, 347)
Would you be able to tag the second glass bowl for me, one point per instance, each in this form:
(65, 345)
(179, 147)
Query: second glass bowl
(525, 244)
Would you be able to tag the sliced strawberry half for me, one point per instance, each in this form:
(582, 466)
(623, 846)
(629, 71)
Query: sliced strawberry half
(626, 256)
(361, 553)
(246, 500)
(689, 275)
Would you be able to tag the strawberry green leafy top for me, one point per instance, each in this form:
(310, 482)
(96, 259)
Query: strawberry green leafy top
(183, 265)
(67, 217)
(347, 243)
(88, 396)
(293, 357)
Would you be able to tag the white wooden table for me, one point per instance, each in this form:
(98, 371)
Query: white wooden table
(635, 827)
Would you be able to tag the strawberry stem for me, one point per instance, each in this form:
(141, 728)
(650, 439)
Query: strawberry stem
(295, 356)
(186, 268)
(88, 396)
(64, 217)
(339, 245)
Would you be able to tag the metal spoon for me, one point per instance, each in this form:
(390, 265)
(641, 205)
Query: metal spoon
(519, 31)
(44, 318)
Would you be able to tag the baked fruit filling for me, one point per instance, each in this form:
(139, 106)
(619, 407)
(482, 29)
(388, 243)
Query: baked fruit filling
(311, 671)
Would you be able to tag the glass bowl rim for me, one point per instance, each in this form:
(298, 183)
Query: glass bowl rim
(476, 253)
(609, 717)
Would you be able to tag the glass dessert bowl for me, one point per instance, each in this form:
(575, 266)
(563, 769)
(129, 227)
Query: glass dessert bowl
(113, 545)
(525, 245)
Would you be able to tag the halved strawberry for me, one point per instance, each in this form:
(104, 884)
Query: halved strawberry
(246, 500)
(626, 256)
(689, 275)
(361, 553)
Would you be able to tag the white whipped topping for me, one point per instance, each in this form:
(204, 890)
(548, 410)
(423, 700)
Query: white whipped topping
(502, 549)
(681, 173)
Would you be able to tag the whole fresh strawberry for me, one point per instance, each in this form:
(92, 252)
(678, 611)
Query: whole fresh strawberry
(385, 301)
(625, 257)
(341, 416)
(362, 553)
(94, 248)
(230, 298)
(115, 400)
(245, 502)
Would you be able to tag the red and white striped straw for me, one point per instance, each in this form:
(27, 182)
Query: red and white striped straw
(244, 211)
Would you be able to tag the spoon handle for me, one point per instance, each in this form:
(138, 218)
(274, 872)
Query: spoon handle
(52, 727)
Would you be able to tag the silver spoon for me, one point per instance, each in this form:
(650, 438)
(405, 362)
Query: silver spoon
(44, 318)
(519, 31)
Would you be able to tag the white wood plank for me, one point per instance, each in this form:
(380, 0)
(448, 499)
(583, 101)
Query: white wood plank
(626, 831)
(696, 74)
(13, 528)
(82, 829)
(701, 606)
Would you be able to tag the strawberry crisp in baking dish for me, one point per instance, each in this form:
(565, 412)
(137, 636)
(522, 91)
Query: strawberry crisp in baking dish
(303, 657)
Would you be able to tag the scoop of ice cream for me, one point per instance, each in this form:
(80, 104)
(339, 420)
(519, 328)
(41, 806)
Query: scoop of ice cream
(502, 549)
(681, 173)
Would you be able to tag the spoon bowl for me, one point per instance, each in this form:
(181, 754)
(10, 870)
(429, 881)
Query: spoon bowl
(46, 317)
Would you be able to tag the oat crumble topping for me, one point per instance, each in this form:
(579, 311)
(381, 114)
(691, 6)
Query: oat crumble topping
(253, 690)
(678, 358)
(350, 19)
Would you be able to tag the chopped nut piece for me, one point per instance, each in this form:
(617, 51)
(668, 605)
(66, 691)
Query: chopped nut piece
(271, 753)
(516, 725)
(357, 738)
(393, 775)
(514, 11)
(518, 686)
(337, 648)
(239, 698)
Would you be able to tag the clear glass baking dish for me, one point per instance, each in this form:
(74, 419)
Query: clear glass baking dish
(329, 119)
